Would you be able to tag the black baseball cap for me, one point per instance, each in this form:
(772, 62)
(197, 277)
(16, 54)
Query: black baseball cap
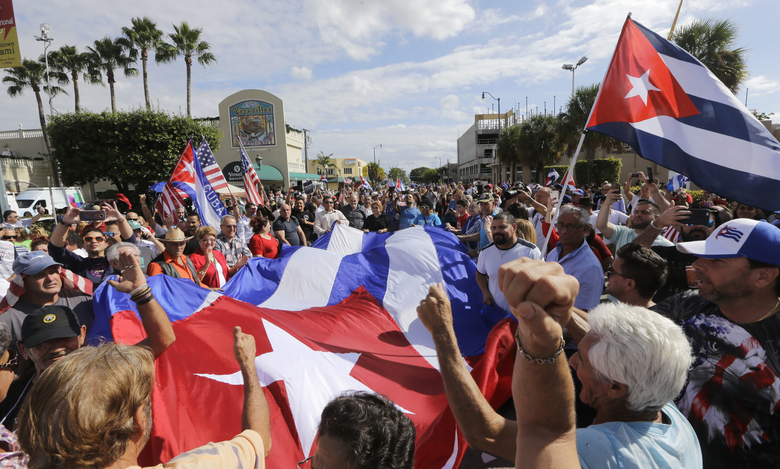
(48, 323)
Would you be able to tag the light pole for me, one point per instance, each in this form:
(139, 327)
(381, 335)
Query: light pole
(499, 111)
(378, 146)
(572, 68)
(45, 38)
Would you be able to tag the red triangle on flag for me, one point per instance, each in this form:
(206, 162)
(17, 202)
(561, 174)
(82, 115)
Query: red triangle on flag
(639, 85)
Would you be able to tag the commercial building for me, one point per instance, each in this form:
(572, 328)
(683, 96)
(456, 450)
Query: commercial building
(340, 171)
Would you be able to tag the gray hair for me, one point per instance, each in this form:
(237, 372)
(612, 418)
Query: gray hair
(112, 254)
(641, 349)
(5, 338)
(222, 220)
(582, 215)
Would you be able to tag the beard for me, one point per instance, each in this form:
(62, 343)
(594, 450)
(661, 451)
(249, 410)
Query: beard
(499, 238)
(695, 234)
(738, 288)
(639, 225)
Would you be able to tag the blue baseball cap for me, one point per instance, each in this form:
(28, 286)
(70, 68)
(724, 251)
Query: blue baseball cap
(33, 262)
(742, 237)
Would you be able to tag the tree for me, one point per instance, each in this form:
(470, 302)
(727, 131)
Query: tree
(397, 173)
(417, 174)
(31, 75)
(431, 175)
(187, 43)
(135, 148)
(110, 55)
(539, 143)
(143, 37)
(375, 173)
(323, 160)
(67, 62)
(508, 147)
(712, 43)
(573, 122)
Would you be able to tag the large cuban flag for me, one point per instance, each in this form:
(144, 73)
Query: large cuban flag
(672, 110)
(335, 317)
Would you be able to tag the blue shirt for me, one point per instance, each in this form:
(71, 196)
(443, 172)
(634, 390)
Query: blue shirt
(583, 265)
(483, 239)
(408, 214)
(635, 445)
(430, 220)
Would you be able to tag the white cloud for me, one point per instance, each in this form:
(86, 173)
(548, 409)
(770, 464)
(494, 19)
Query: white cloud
(301, 73)
(761, 85)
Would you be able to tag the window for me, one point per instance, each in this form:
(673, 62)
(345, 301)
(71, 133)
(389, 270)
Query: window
(347, 170)
(331, 171)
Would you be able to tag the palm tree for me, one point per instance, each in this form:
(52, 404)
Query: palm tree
(324, 161)
(109, 55)
(187, 43)
(144, 36)
(375, 173)
(66, 64)
(31, 75)
(539, 143)
(711, 42)
(573, 122)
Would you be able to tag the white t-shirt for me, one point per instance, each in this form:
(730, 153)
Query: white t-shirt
(536, 219)
(615, 217)
(491, 258)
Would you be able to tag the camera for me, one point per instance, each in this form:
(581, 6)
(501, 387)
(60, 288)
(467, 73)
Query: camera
(634, 175)
(510, 194)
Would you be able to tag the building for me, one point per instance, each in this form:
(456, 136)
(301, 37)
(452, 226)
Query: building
(477, 147)
(255, 118)
(339, 170)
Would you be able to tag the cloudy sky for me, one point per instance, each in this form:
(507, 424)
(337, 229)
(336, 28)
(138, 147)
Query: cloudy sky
(407, 74)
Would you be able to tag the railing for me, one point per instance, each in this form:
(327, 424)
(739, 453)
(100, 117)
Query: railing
(21, 133)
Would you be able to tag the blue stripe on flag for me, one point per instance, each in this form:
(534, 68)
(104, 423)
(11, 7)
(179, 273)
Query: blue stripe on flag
(662, 46)
(256, 282)
(727, 120)
(712, 177)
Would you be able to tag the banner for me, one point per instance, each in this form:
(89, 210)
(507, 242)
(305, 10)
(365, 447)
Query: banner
(9, 42)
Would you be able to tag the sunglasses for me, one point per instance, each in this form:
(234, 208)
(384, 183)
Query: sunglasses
(99, 239)
(13, 360)
(110, 234)
(132, 219)
(610, 272)
(230, 227)
(9, 237)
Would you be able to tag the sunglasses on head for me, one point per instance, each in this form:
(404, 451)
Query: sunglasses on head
(99, 239)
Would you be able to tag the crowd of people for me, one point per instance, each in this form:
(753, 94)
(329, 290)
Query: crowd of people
(670, 328)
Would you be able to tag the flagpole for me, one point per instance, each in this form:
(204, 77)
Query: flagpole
(560, 199)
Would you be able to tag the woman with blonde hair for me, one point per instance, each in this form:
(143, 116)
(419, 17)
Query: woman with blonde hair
(525, 230)
(210, 263)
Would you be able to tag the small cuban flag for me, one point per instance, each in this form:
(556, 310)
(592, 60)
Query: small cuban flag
(399, 185)
(323, 178)
(552, 176)
(364, 183)
(677, 182)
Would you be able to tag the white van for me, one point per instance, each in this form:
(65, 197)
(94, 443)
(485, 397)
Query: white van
(30, 199)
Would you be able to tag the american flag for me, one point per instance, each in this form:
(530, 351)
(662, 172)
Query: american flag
(210, 167)
(250, 178)
(347, 181)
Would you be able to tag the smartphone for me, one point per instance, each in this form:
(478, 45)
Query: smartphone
(699, 216)
(634, 175)
(650, 174)
(616, 187)
(92, 215)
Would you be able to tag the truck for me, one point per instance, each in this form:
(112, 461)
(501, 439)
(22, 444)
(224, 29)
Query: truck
(29, 200)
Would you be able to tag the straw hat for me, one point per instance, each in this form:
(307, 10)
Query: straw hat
(174, 235)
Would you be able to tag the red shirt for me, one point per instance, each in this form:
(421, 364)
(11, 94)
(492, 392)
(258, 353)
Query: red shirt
(462, 221)
(260, 246)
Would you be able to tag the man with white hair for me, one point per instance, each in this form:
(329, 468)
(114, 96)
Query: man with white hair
(632, 363)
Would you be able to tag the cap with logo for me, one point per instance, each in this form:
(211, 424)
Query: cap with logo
(33, 262)
(487, 197)
(49, 323)
(742, 237)
(134, 225)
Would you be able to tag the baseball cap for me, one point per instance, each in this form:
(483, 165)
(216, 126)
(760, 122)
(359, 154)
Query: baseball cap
(742, 237)
(579, 192)
(48, 323)
(487, 197)
(134, 224)
(33, 262)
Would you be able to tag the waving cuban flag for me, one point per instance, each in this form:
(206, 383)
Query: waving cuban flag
(672, 110)
(676, 182)
(551, 177)
(364, 183)
(399, 185)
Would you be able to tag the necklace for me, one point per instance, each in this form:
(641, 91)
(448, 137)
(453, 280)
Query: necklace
(502, 252)
(771, 310)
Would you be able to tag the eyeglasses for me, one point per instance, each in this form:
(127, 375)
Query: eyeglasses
(567, 226)
(99, 239)
(611, 271)
(10, 237)
(304, 462)
(230, 227)
(13, 360)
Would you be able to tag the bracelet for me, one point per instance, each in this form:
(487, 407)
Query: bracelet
(145, 300)
(652, 223)
(538, 361)
(138, 289)
(143, 293)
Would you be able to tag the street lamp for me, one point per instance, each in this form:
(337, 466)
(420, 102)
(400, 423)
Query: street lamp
(572, 68)
(378, 146)
(499, 110)
(45, 38)
(259, 161)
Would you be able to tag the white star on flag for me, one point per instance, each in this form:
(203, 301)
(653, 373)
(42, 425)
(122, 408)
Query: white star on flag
(188, 167)
(309, 388)
(640, 86)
